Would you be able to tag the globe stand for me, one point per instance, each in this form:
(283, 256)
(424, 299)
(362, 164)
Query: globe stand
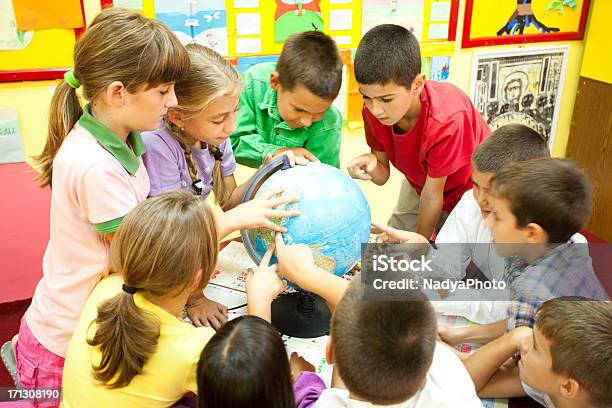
(301, 314)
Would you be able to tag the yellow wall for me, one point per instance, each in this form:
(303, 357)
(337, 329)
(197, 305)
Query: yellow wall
(598, 49)
(461, 73)
(32, 98)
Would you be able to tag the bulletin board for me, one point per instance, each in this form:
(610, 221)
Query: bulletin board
(237, 28)
(47, 56)
(512, 22)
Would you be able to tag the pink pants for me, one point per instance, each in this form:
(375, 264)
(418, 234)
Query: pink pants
(37, 367)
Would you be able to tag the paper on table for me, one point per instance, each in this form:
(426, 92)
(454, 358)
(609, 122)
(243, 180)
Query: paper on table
(246, 3)
(440, 11)
(10, 38)
(313, 351)
(42, 14)
(11, 144)
(248, 45)
(438, 32)
(341, 19)
(248, 24)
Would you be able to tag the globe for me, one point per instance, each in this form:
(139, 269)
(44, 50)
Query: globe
(334, 216)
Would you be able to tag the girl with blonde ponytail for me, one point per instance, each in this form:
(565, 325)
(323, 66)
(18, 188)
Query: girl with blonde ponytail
(125, 66)
(192, 150)
(131, 348)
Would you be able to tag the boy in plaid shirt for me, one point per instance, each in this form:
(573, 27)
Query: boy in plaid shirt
(537, 207)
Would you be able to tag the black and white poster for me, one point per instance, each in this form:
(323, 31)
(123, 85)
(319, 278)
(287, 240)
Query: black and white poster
(520, 86)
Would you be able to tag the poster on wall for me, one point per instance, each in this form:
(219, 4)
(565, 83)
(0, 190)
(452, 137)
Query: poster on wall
(200, 21)
(10, 37)
(296, 16)
(523, 86)
(11, 144)
(497, 22)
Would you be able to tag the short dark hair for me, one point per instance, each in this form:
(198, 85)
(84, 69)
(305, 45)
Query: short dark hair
(553, 193)
(383, 349)
(388, 53)
(311, 59)
(509, 144)
(245, 364)
(579, 331)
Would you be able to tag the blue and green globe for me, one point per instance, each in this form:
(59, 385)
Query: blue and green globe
(334, 216)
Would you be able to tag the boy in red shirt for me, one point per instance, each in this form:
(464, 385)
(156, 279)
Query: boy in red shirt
(427, 130)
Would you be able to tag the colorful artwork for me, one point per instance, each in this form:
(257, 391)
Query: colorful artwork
(520, 87)
(519, 21)
(439, 68)
(201, 21)
(10, 37)
(296, 16)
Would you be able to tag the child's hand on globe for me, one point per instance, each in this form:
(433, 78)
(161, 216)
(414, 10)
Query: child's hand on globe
(295, 262)
(263, 286)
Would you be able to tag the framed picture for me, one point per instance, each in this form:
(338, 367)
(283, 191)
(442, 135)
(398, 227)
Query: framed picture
(523, 21)
(522, 86)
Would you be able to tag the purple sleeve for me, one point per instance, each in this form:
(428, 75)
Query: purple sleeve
(307, 389)
(161, 161)
(228, 163)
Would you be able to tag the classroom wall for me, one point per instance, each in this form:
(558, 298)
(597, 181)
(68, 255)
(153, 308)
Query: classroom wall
(598, 49)
(461, 74)
(32, 98)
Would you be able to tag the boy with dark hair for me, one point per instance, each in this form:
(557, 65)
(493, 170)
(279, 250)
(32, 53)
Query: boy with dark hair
(384, 352)
(566, 360)
(427, 129)
(464, 237)
(287, 105)
(536, 208)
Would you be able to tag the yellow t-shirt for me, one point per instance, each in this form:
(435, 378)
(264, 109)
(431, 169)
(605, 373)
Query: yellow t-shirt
(167, 375)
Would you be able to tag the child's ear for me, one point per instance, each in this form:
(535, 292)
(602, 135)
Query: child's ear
(176, 117)
(115, 94)
(536, 234)
(570, 389)
(418, 84)
(274, 81)
(329, 351)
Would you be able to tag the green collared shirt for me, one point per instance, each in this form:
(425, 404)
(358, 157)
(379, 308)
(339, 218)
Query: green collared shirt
(126, 156)
(111, 142)
(261, 130)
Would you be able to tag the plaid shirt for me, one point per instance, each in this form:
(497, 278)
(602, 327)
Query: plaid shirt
(565, 270)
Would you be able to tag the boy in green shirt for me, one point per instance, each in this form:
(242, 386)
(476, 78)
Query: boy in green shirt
(288, 105)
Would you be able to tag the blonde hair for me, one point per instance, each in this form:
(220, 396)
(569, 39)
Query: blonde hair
(119, 45)
(159, 249)
(209, 77)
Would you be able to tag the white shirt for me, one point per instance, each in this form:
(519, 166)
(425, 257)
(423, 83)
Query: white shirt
(447, 384)
(540, 397)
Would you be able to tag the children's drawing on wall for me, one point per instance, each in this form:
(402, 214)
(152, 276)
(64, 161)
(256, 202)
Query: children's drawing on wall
(10, 37)
(439, 68)
(407, 13)
(522, 17)
(296, 16)
(201, 21)
(520, 87)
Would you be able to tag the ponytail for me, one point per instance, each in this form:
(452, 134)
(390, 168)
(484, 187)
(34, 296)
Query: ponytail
(64, 113)
(221, 194)
(163, 247)
(127, 337)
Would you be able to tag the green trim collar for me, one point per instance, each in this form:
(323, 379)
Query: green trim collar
(111, 142)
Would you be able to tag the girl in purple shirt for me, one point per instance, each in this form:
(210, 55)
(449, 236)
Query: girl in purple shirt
(192, 150)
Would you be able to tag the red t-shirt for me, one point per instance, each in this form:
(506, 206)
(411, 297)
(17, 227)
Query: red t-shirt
(440, 144)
